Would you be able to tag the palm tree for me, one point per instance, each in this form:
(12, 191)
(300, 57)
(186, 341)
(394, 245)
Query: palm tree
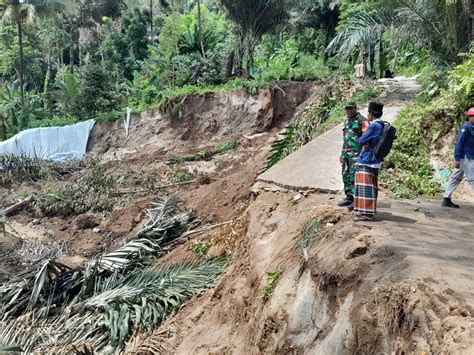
(253, 19)
(22, 12)
(442, 25)
(364, 35)
(89, 14)
(19, 13)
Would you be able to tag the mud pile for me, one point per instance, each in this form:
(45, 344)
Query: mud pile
(197, 119)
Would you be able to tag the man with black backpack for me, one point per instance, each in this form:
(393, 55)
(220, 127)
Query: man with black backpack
(376, 142)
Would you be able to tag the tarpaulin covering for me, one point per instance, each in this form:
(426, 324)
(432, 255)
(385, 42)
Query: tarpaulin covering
(52, 143)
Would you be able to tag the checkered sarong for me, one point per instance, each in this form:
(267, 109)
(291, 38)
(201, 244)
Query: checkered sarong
(365, 198)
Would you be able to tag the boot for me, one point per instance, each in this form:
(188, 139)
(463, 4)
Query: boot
(448, 203)
(349, 200)
(351, 207)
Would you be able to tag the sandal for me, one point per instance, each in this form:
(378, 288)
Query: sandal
(362, 218)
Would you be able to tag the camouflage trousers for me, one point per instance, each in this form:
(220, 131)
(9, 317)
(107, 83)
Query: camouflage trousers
(349, 166)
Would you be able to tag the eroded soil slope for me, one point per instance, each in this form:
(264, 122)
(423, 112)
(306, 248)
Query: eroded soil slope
(402, 285)
(365, 289)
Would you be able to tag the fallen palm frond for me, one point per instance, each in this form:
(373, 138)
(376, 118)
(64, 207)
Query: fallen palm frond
(139, 300)
(32, 250)
(323, 107)
(219, 148)
(301, 130)
(51, 307)
(92, 191)
(156, 342)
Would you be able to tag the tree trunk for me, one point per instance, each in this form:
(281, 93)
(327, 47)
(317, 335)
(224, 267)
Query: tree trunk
(15, 123)
(395, 58)
(20, 71)
(230, 65)
(4, 127)
(46, 101)
(152, 36)
(71, 59)
(200, 28)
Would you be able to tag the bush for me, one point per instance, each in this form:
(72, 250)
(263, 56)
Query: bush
(92, 191)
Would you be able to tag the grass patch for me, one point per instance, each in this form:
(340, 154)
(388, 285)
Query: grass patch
(272, 280)
(180, 175)
(309, 234)
(201, 248)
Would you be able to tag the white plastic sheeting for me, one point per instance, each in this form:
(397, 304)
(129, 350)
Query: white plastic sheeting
(52, 143)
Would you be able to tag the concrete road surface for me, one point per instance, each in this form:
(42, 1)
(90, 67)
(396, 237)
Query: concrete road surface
(315, 166)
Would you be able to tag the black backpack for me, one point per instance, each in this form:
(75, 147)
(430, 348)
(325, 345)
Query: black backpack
(383, 147)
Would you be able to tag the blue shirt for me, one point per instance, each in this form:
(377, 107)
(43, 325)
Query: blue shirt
(465, 142)
(371, 137)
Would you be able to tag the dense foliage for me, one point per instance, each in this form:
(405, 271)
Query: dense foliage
(438, 111)
(62, 60)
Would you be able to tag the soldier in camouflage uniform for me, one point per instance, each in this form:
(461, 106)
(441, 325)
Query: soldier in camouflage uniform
(354, 127)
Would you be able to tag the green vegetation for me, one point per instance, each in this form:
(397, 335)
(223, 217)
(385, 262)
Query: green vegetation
(91, 191)
(317, 117)
(438, 111)
(309, 234)
(17, 168)
(180, 175)
(272, 280)
(63, 61)
(201, 248)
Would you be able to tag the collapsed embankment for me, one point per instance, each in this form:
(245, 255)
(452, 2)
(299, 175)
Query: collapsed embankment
(197, 119)
(353, 290)
(355, 294)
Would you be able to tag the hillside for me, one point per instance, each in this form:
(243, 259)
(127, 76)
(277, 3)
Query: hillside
(170, 173)
(302, 276)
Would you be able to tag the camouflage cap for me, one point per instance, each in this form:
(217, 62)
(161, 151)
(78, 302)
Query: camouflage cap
(350, 104)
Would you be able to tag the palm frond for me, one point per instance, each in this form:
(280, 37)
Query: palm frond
(156, 342)
(28, 13)
(363, 29)
(53, 308)
(140, 300)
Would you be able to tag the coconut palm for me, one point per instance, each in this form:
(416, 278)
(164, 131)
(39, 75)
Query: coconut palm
(23, 12)
(253, 19)
(441, 25)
